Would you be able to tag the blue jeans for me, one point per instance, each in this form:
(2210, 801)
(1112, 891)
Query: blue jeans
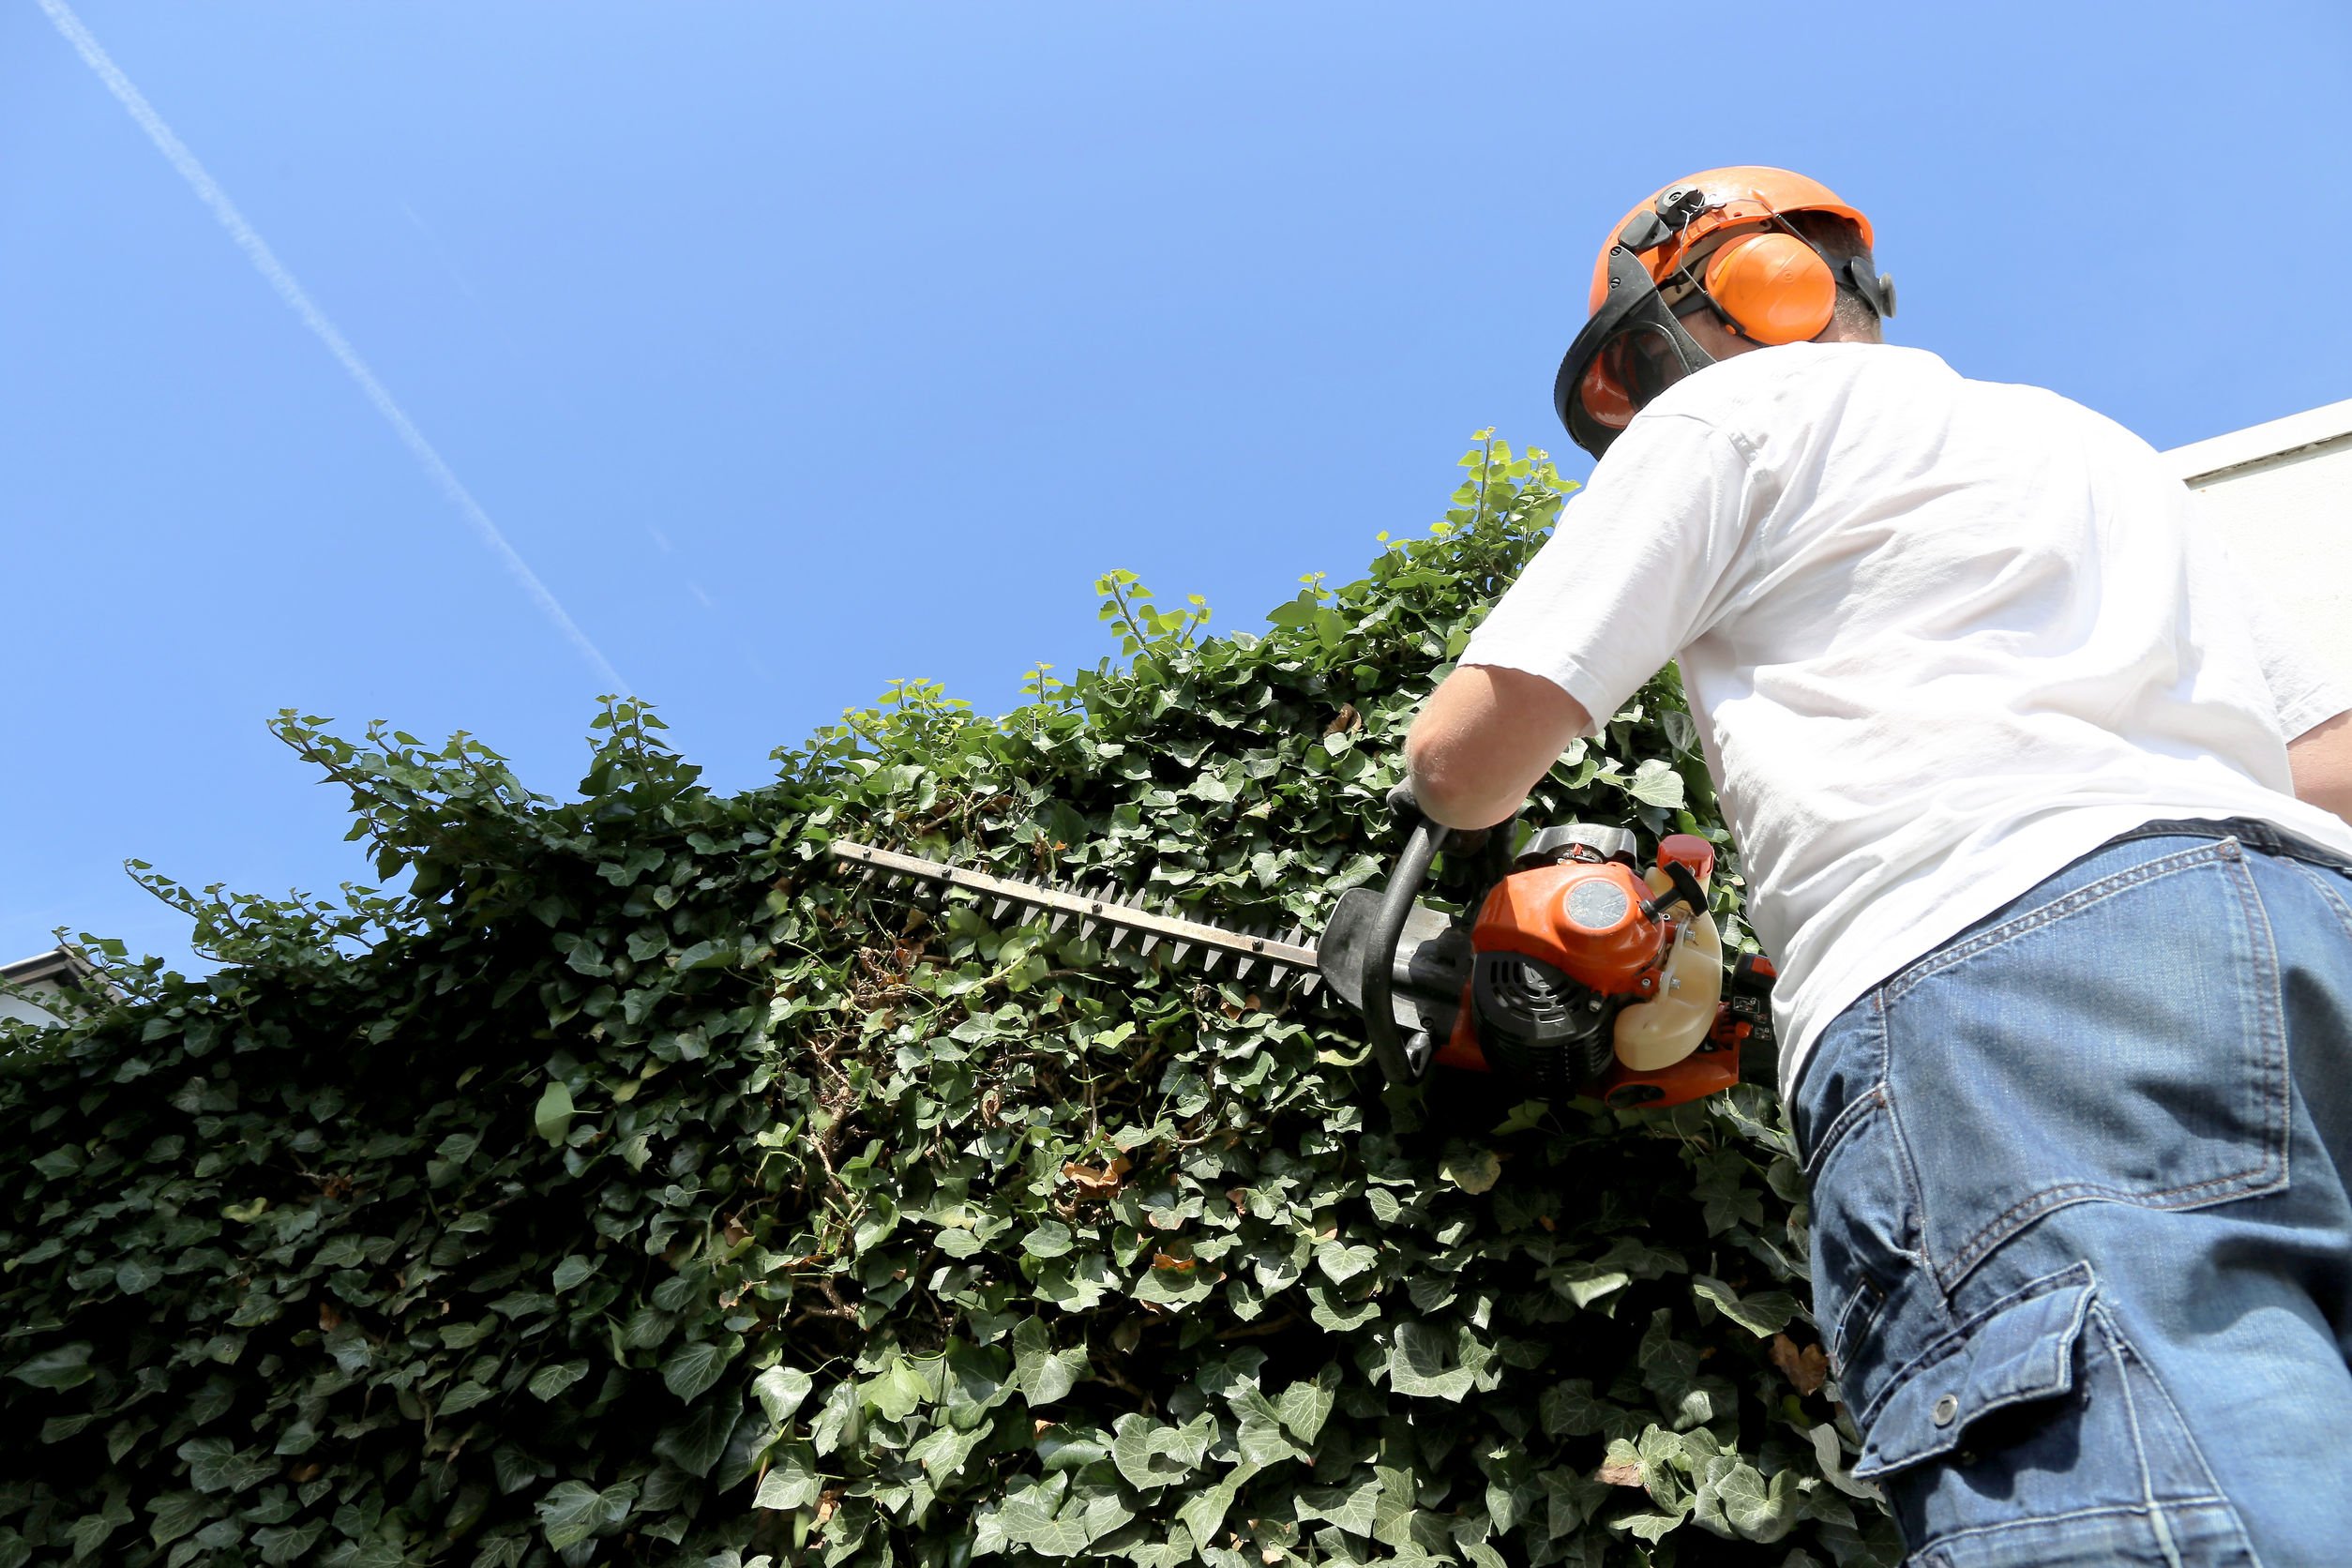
(2082, 1251)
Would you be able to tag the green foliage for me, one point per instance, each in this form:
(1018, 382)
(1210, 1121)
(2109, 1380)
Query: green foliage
(631, 1188)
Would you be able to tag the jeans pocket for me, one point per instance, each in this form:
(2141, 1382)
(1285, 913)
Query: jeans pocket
(2120, 1040)
(2033, 1434)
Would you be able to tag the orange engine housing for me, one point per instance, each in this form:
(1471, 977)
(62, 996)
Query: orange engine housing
(1583, 918)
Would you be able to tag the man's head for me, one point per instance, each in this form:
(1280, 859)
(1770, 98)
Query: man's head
(1715, 265)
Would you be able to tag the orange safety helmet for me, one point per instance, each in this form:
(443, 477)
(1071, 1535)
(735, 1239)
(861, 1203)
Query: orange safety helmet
(1765, 281)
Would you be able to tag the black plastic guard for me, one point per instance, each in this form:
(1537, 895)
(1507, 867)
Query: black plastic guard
(1432, 962)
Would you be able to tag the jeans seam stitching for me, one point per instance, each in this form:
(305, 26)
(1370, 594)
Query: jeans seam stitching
(2014, 1218)
(2105, 1327)
(2126, 1353)
(2058, 908)
(1844, 1122)
(1846, 1341)
(2213, 1499)
(2275, 1088)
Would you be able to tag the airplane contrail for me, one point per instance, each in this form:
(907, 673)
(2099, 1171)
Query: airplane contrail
(271, 268)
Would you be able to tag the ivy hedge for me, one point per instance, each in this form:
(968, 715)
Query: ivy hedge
(629, 1187)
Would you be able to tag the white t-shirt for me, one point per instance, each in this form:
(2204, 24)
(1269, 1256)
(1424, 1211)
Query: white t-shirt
(1941, 638)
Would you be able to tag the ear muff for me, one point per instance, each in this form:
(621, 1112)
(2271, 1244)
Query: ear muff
(1773, 286)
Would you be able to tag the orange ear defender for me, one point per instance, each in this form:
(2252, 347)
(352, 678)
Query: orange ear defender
(1772, 286)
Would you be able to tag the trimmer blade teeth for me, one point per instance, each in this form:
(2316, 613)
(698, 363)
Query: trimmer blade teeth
(1150, 939)
(997, 912)
(1176, 954)
(1308, 983)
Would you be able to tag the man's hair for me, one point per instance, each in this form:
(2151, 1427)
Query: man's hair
(1838, 240)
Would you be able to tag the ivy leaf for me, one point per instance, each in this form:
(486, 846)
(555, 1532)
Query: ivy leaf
(1032, 1517)
(573, 1270)
(1656, 783)
(1425, 1362)
(1763, 1315)
(1077, 1283)
(1474, 1171)
(1041, 1373)
(1733, 1498)
(1306, 1405)
(67, 1366)
(573, 1511)
(695, 1441)
(792, 1482)
(549, 1381)
(698, 1363)
(175, 1514)
(218, 1465)
(552, 1118)
(1205, 1510)
(1341, 1261)
(1353, 1505)
(897, 1391)
(780, 1390)
(136, 1276)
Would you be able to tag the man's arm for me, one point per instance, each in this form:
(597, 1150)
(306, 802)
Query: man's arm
(1484, 738)
(2321, 761)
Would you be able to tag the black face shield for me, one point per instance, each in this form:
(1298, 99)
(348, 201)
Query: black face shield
(1631, 349)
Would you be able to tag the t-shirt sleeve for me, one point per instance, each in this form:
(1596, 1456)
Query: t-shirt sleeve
(1641, 563)
(2306, 691)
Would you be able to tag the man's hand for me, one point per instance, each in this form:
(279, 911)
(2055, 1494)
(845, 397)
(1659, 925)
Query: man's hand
(2320, 759)
(1484, 738)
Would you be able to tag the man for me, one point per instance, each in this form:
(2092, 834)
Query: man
(2066, 965)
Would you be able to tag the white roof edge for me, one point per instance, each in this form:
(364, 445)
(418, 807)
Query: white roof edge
(41, 966)
(2313, 427)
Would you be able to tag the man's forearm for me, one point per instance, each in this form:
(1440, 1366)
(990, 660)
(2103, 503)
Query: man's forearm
(1484, 738)
(2321, 760)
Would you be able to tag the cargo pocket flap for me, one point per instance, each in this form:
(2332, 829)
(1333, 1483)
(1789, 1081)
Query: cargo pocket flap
(2020, 1351)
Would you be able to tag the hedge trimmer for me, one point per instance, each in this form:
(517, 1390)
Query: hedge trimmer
(1569, 970)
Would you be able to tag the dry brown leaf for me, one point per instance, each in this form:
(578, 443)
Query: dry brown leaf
(1092, 1182)
(1347, 722)
(1239, 1198)
(1807, 1369)
(329, 1320)
(1625, 1474)
(1180, 1265)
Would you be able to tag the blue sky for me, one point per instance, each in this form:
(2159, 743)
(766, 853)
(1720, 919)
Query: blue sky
(797, 349)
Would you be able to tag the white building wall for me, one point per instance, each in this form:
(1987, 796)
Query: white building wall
(2281, 496)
